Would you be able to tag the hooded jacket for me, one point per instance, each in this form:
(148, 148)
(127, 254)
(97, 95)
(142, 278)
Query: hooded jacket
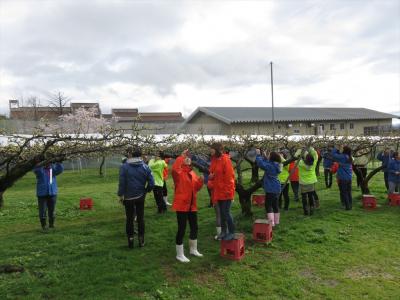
(46, 182)
(157, 169)
(306, 172)
(385, 159)
(393, 167)
(272, 169)
(222, 184)
(187, 184)
(345, 170)
(134, 174)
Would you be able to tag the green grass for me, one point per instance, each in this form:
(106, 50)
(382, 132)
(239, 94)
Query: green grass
(334, 254)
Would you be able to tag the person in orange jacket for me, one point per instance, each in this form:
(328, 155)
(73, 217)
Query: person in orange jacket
(187, 184)
(294, 179)
(221, 181)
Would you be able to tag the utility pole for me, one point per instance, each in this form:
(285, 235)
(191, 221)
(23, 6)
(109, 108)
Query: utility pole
(272, 94)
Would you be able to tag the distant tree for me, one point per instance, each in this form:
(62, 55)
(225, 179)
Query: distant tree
(58, 101)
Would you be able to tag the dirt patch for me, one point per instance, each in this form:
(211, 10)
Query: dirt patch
(331, 283)
(309, 274)
(362, 273)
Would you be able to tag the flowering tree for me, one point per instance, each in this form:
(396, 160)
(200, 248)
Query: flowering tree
(81, 134)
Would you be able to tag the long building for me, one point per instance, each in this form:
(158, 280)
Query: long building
(288, 120)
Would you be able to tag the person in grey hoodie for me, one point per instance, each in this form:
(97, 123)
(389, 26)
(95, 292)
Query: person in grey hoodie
(135, 180)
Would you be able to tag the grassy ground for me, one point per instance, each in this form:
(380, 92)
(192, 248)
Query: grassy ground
(334, 254)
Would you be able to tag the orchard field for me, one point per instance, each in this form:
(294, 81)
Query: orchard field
(334, 254)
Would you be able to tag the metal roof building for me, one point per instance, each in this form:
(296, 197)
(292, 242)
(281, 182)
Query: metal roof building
(289, 120)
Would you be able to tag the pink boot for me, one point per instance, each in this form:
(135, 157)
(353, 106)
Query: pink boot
(270, 217)
(277, 216)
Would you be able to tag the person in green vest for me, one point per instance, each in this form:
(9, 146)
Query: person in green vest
(307, 178)
(283, 176)
(157, 166)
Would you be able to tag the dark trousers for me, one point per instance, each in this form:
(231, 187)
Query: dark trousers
(182, 218)
(386, 178)
(158, 196)
(164, 189)
(308, 207)
(345, 193)
(328, 178)
(133, 207)
(295, 188)
(47, 203)
(226, 217)
(285, 193)
(362, 174)
(271, 203)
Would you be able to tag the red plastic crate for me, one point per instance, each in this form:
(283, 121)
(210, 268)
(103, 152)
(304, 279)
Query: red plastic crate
(394, 199)
(262, 231)
(86, 203)
(369, 202)
(233, 249)
(258, 200)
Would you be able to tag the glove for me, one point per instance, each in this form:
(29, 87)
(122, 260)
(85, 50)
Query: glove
(298, 153)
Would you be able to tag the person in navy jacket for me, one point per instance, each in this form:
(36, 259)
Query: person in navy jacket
(270, 163)
(344, 174)
(385, 157)
(393, 171)
(135, 180)
(46, 191)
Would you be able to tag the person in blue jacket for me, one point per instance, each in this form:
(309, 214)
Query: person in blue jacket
(327, 163)
(135, 180)
(46, 191)
(270, 163)
(344, 174)
(385, 157)
(393, 171)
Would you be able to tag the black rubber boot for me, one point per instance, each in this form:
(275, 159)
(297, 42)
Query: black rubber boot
(43, 223)
(130, 242)
(305, 208)
(141, 240)
(51, 222)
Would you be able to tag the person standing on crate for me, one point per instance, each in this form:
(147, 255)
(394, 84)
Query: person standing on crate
(344, 174)
(221, 181)
(187, 184)
(270, 163)
(135, 180)
(46, 191)
(360, 163)
(394, 173)
(157, 166)
(307, 178)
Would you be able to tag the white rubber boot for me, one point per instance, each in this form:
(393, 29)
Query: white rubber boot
(166, 201)
(180, 255)
(271, 219)
(218, 233)
(193, 248)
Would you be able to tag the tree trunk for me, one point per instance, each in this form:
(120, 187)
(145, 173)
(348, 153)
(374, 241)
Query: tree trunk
(254, 173)
(364, 186)
(103, 159)
(1, 199)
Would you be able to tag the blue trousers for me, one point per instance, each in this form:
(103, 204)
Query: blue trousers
(226, 217)
(47, 203)
(345, 193)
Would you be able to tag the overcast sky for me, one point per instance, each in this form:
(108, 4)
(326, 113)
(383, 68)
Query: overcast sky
(178, 55)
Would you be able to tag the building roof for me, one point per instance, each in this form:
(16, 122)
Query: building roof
(161, 117)
(231, 115)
